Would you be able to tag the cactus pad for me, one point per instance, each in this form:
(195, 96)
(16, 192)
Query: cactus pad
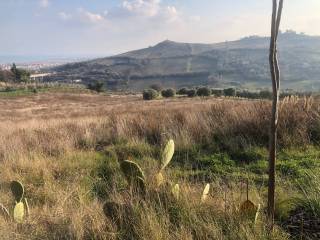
(257, 213)
(167, 154)
(18, 212)
(131, 170)
(205, 193)
(248, 208)
(17, 190)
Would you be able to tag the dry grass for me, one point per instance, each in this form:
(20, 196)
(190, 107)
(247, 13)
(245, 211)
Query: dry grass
(52, 143)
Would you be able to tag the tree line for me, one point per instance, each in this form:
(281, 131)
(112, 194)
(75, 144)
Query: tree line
(155, 91)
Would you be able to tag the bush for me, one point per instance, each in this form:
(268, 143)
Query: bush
(204, 92)
(229, 92)
(182, 91)
(192, 93)
(150, 94)
(167, 93)
(97, 86)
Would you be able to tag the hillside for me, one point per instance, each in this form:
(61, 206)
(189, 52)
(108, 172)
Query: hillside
(242, 63)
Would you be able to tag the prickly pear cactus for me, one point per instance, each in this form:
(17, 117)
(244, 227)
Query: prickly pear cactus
(17, 190)
(167, 154)
(205, 193)
(134, 176)
(18, 212)
(131, 170)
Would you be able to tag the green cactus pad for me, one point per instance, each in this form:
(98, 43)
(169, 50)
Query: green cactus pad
(167, 154)
(4, 212)
(257, 214)
(17, 190)
(18, 212)
(205, 193)
(131, 171)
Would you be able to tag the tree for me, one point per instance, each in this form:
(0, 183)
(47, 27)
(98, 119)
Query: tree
(204, 92)
(192, 93)
(96, 86)
(265, 94)
(20, 75)
(217, 92)
(150, 94)
(182, 91)
(275, 77)
(167, 93)
(229, 92)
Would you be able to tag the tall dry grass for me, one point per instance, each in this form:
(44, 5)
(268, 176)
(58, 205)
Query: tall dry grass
(54, 150)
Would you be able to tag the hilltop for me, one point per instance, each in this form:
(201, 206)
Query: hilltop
(242, 63)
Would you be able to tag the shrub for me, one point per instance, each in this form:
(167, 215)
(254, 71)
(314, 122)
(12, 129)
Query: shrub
(192, 93)
(150, 94)
(182, 91)
(204, 92)
(229, 92)
(167, 93)
(96, 86)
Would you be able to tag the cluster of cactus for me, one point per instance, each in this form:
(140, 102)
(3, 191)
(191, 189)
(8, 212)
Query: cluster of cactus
(135, 175)
(21, 207)
(137, 180)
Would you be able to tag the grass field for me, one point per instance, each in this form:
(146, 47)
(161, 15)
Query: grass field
(66, 148)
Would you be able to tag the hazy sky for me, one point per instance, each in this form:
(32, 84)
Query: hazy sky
(102, 27)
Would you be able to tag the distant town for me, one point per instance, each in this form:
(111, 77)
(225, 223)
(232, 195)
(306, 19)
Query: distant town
(38, 65)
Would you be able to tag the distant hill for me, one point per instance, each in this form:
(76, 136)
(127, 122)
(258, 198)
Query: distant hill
(242, 63)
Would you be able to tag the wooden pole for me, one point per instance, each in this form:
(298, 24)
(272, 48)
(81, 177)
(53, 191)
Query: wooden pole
(275, 77)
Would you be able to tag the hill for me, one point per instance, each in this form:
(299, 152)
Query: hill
(242, 63)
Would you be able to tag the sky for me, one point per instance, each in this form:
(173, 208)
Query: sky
(106, 27)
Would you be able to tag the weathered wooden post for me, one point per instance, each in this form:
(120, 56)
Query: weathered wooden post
(275, 77)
